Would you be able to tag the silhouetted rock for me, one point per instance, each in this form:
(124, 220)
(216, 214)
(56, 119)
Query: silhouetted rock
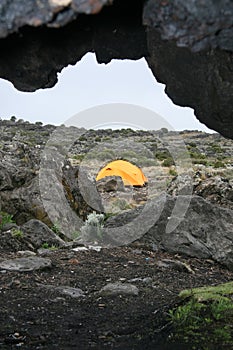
(188, 46)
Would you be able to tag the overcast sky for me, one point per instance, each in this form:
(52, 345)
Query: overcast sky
(89, 84)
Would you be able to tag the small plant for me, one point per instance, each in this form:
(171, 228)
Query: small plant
(216, 148)
(219, 164)
(162, 155)
(197, 155)
(17, 232)
(173, 172)
(93, 227)
(168, 162)
(56, 228)
(5, 218)
(46, 245)
(76, 234)
(220, 307)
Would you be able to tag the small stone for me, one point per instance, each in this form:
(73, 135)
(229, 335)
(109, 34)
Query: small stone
(25, 264)
(95, 247)
(72, 292)
(79, 249)
(44, 252)
(26, 253)
(65, 290)
(118, 288)
(145, 280)
(175, 265)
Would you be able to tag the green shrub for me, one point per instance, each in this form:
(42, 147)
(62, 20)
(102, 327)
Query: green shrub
(197, 155)
(78, 157)
(161, 155)
(216, 148)
(173, 172)
(17, 232)
(5, 218)
(204, 318)
(47, 246)
(218, 164)
(200, 161)
(56, 228)
(168, 162)
(192, 144)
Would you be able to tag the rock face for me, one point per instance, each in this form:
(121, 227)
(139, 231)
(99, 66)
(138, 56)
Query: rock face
(197, 24)
(202, 80)
(54, 14)
(37, 233)
(195, 49)
(22, 147)
(205, 231)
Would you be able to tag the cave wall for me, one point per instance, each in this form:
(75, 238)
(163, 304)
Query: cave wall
(188, 46)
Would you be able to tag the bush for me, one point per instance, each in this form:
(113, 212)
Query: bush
(161, 155)
(5, 218)
(219, 164)
(173, 172)
(168, 162)
(93, 227)
(197, 155)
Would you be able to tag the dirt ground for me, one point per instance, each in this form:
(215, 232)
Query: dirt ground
(35, 317)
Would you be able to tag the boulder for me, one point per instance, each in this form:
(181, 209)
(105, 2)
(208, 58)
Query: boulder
(37, 233)
(110, 184)
(205, 231)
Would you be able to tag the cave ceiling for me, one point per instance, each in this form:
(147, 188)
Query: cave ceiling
(188, 45)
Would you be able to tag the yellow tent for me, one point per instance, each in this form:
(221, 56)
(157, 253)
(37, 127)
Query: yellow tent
(130, 174)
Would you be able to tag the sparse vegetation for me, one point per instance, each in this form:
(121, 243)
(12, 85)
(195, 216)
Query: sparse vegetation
(76, 235)
(197, 155)
(162, 155)
(56, 228)
(46, 245)
(93, 227)
(79, 157)
(173, 172)
(205, 317)
(168, 162)
(5, 218)
(17, 232)
(218, 164)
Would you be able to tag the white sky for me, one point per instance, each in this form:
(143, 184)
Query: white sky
(88, 84)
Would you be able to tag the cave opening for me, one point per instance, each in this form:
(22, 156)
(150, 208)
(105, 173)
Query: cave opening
(88, 84)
